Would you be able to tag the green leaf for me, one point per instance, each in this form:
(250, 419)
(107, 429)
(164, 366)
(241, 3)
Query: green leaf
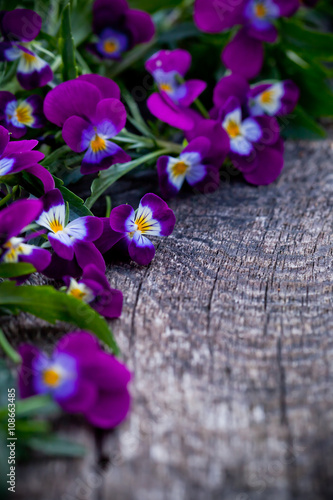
(47, 303)
(108, 177)
(76, 204)
(301, 126)
(55, 446)
(9, 270)
(305, 41)
(67, 46)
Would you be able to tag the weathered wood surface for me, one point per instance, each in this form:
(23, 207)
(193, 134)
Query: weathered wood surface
(230, 335)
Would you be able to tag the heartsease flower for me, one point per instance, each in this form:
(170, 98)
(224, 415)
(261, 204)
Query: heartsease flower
(16, 156)
(245, 53)
(18, 115)
(94, 289)
(90, 112)
(192, 166)
(13, 246)
(73, 240)
(130, 229)
(19, 27)
(118, 28)
(273, 99)
(171, 103)
(80, 377)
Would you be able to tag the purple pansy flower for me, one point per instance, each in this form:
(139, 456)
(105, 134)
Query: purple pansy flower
(273, 99)
(17, 115)
(94, 289)
(130, 228)
(175, 95)
(13, 246)
(245, 53)
(119, 28)
(193, 166)
(17, 156)
(19, 27)
(90, 112)
(73, 239)
(80, 377)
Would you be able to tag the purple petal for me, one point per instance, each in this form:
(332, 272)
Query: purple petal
(21, 146)
(103, 160)
(141, 249)
(75, 97)
(5, 98)
(26, 378)
(17, 216)
(4, 139)
(167, 188)
(233, 85)
(178, 117)
(214, 16)
(108, 372)
(52, 199)
(22, 161)
(109, 301)
(270, 129)
(87, 228)
(81, 345)
(36, 101)
(109, 410)
(82, 400)
(43, 175)
(290, 98)
(8, 52)
(287, 7)
(60, 267)
(108, 13)
(210, 182)
(193, 89)
(110, 117)
(36, 78)
(107, 87)
(62, 245)
(21, 24)
(140, 26)
(39, 258)
(86, 253)
(178, 60)
(220, 144)
(270, 165)
(244, 55)
(119, 217)
(72, 133)
(264, 35)
(108, 238)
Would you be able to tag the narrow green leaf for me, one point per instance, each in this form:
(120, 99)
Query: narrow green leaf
(67, 46)
(55, 446)
(51, 305)
(76, 204)
(13, 270)
(8, 349)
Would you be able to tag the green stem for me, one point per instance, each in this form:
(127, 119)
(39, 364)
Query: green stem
(8, 196)
(201, 108)
(8, 349)
(129, 138)
(133, 56)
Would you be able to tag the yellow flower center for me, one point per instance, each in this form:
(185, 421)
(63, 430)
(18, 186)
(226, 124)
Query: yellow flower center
(142, 224)
(260, 10)
(13, 252)
(233, 129)
(77, 293)
(110, 46)
(179, 168)
(29, 58)
(98, 144)
(166, 87)
(24, 114)
(56, 226)
(267, 97)
(51, 377)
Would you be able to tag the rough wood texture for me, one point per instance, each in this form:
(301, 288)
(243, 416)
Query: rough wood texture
(228, 333)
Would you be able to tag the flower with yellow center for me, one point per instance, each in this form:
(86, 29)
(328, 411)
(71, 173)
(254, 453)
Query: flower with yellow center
(80, 291)
(110, 46)
(97, 144)
(233, 129)
(51, 377)
(260, 10)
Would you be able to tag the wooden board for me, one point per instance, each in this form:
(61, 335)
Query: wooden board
(229, 335)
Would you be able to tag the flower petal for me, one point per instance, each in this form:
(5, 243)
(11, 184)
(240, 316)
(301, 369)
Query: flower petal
(21, 24)
(38, 257)
(109, 410)
(108, 238)
(141, 249)
(43, 175)
(62, 245)
(244, 55)
(26, 384)
(160, 212)
(34, 73)
(102, 160)
(270, 165)
(176, 117)
(107, 87)
(4, 139)
(110, 117)
(233, 85)
(73, 133)
(214, 16)
(17, 216)
(122, 219)
(108, 13)
(177, 60)
(87, 228)
(86, 253)
(84, 397)
(140, 25)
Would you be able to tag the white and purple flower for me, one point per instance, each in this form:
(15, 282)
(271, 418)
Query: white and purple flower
(18, 115)
(273, 99)
(193, 166)
(94, 289)
(19, 28)
(13, 246)
(171, 104)
(90, 112)
(71, 241)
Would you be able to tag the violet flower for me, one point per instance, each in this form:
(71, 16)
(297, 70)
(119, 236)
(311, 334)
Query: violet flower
(73, 240)
(17, 156)
(130, 228)
(19, 27)
(119, 28)
(171, 104)
(94, 289)
(90, 112)
(80, 377)
(192, 165)
(273, 99)
(14, 247)
(245, 53)
(17, 115)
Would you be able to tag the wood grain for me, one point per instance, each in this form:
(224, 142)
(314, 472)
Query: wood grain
(229, 335)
